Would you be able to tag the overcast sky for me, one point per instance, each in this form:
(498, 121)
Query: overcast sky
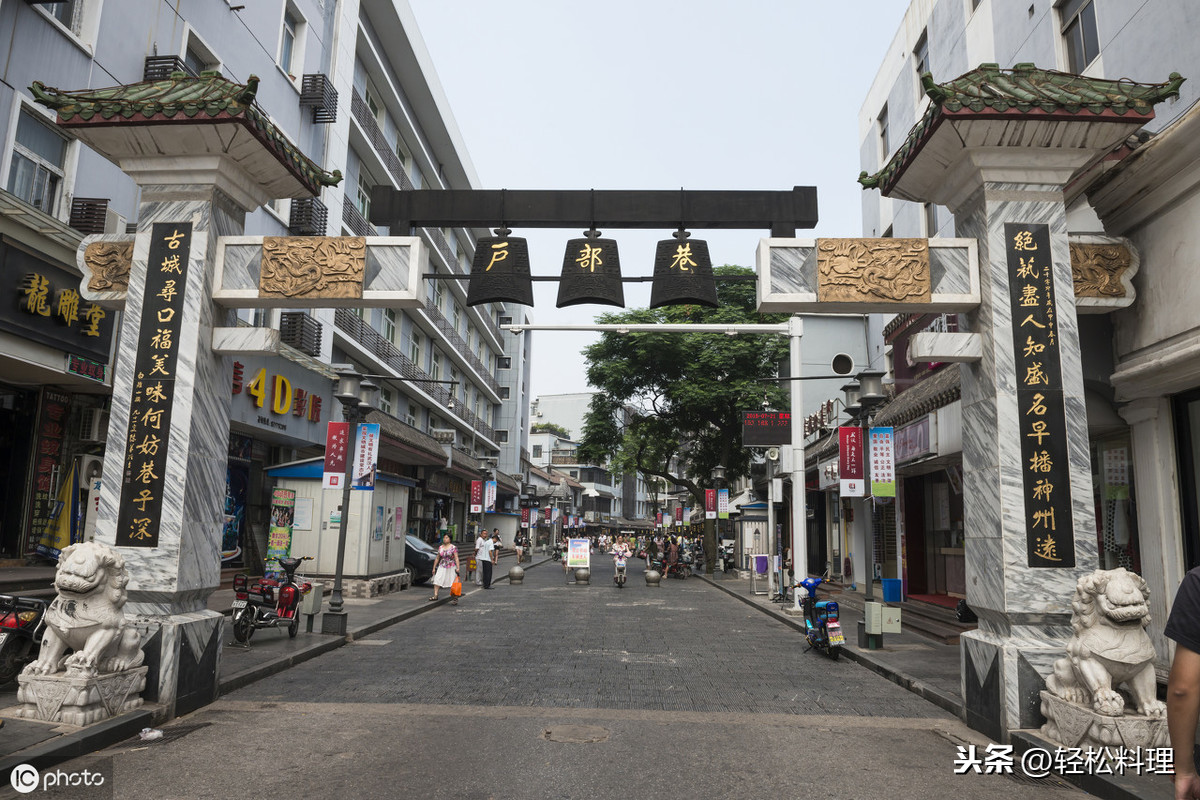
(656, 94)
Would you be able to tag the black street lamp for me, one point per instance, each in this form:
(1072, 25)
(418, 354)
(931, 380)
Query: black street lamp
(357, 397)
(710, 553)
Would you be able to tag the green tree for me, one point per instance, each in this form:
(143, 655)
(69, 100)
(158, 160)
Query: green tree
(550, 427)
(662, 395)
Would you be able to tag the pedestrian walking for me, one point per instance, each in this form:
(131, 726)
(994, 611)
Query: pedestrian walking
(484, 548)
(1183, 686)
(519, 544)
(447, 569)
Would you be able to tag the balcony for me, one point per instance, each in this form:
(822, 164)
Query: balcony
(453, 337)
(355, 221)
(362, 115)
(349, 323)
(159, 68)
(317, 93)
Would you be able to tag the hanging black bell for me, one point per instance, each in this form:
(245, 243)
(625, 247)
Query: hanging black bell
(683, 274)
(591, 272)
(500, 270)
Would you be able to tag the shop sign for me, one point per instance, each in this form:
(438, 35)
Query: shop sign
(279, 395)
(44, 306)
(476, 497)
(850, 462)
(827, 474)
(86, 368)
(883, 463)
(766, 428)
(148, 439)
(336, 446)
(366, 456)
(47, 456)
(1049, 528)
(914, 440)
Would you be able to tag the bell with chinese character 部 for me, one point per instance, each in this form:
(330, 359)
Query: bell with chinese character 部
(591, 272)
(500, 270)
(683, 273)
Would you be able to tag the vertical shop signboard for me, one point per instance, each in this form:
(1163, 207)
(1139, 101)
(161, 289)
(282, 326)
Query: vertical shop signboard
(148, 440)
(850, 462)
(476, 497)
(366, 456)
(279, 534)
(489, 497)
(47, 461)
(336, 446)
(1049, 529)
(883, 462)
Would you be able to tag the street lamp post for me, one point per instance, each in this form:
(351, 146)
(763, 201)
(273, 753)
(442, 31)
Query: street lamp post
(710, 554)
(357, 396)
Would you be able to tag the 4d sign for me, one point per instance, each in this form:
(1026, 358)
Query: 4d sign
(279, 395)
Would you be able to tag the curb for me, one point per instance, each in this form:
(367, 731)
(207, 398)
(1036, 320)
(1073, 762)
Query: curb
(942, 700)
(83, 742)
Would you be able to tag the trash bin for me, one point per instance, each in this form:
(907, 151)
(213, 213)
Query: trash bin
(893, 590)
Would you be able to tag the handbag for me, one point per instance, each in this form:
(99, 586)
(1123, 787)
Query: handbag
(456, 588)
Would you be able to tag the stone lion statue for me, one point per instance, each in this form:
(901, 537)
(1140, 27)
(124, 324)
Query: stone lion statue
(88, 615)
(1109, 646)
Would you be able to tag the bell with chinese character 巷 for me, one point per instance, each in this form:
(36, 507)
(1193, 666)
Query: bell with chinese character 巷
(591, 272)
(683, 273)
(500, 270)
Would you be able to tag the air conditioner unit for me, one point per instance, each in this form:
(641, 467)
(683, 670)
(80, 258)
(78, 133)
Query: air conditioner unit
(416, 494)
(90, 467)
(113, 222)
(94, 427)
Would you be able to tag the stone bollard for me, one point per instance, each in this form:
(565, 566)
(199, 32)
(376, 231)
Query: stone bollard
(516, 575)
(583, 576)
(653, 578)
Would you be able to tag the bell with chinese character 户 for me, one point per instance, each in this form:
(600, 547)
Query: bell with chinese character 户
(591, 272)
(500, 270)
(683, 273)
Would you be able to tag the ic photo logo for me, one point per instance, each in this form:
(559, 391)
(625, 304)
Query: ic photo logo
(25, 778)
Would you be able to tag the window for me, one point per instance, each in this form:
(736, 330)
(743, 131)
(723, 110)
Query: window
(371, 99)
(457, 317)
(435, 365)
(418, 179)
(537, 451)
(505, 392)
(388, 329)
(506, 320)
(439, 294)
(921, 60)
(67, 13)
(385, 400)
(502, 437)
(931, 226)
(36, 171)
(503, 362)
(287, 49)
(414, 349)
(412, 414)
(197, 56)
(362, 200)
(1079, 33)
(882, 121)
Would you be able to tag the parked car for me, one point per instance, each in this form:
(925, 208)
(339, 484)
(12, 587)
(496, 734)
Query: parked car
(420, 558)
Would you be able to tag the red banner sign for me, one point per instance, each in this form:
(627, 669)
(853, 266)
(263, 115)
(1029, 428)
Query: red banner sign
(336, 445)
(524, 517)
(476, 497)
(850, 462)
(710, 503)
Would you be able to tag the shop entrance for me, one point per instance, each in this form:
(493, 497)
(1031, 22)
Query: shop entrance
(18, 409)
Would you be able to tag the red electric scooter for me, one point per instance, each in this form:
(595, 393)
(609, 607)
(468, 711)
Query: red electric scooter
(268, 603)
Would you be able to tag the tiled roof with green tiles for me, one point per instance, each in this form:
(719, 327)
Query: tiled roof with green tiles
(1023, 90)
(182, 98)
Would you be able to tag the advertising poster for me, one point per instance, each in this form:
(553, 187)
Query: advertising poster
(850, 462)
(579, 553)
(476, 497)
(722, 504)
(379, 523)
(366, 456)
(883, 463)
(63, 518)
(489, 497)
(710, 503)
(279, 534)
(524, 517)
(399, 522)
(336, 440)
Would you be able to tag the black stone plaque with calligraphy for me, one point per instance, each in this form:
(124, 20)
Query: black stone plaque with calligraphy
(153, 394)
(1045, 468)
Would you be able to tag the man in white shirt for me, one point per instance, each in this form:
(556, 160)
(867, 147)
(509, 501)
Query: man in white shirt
(483, 557)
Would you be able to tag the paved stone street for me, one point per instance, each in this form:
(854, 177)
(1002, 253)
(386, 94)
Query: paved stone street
(549, 690)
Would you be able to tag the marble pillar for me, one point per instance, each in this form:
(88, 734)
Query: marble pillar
(170, 582)
(1024, 612)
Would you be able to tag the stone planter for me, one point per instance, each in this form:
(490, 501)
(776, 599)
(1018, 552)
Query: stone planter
(516, 576)
(653, 578)
(583, 576)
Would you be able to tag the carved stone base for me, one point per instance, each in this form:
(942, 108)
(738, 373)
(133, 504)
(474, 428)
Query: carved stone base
(1076, 726)
(78, 699)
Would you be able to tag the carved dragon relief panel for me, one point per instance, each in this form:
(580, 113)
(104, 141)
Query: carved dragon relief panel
(109, 263)
(312, 266)
(1097, 269)
(873, 270)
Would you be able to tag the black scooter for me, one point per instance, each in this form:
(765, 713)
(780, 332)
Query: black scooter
(22, 620)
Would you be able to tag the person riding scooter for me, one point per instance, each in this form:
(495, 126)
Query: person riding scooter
(621, 553)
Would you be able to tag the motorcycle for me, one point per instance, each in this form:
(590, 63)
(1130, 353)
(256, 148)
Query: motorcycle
(619, 571)
(557, 553)
(267, 602)
(725, 557)
(823, 630)
(21, 624)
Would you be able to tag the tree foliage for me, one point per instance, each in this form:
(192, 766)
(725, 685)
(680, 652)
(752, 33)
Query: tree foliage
(550, 427)
(686, 391)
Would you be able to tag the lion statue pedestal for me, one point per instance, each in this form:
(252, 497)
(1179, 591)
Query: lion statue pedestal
(102, 676)
(1082, 704)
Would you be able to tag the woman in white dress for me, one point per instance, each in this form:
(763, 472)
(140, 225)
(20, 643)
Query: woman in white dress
(447, 568)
